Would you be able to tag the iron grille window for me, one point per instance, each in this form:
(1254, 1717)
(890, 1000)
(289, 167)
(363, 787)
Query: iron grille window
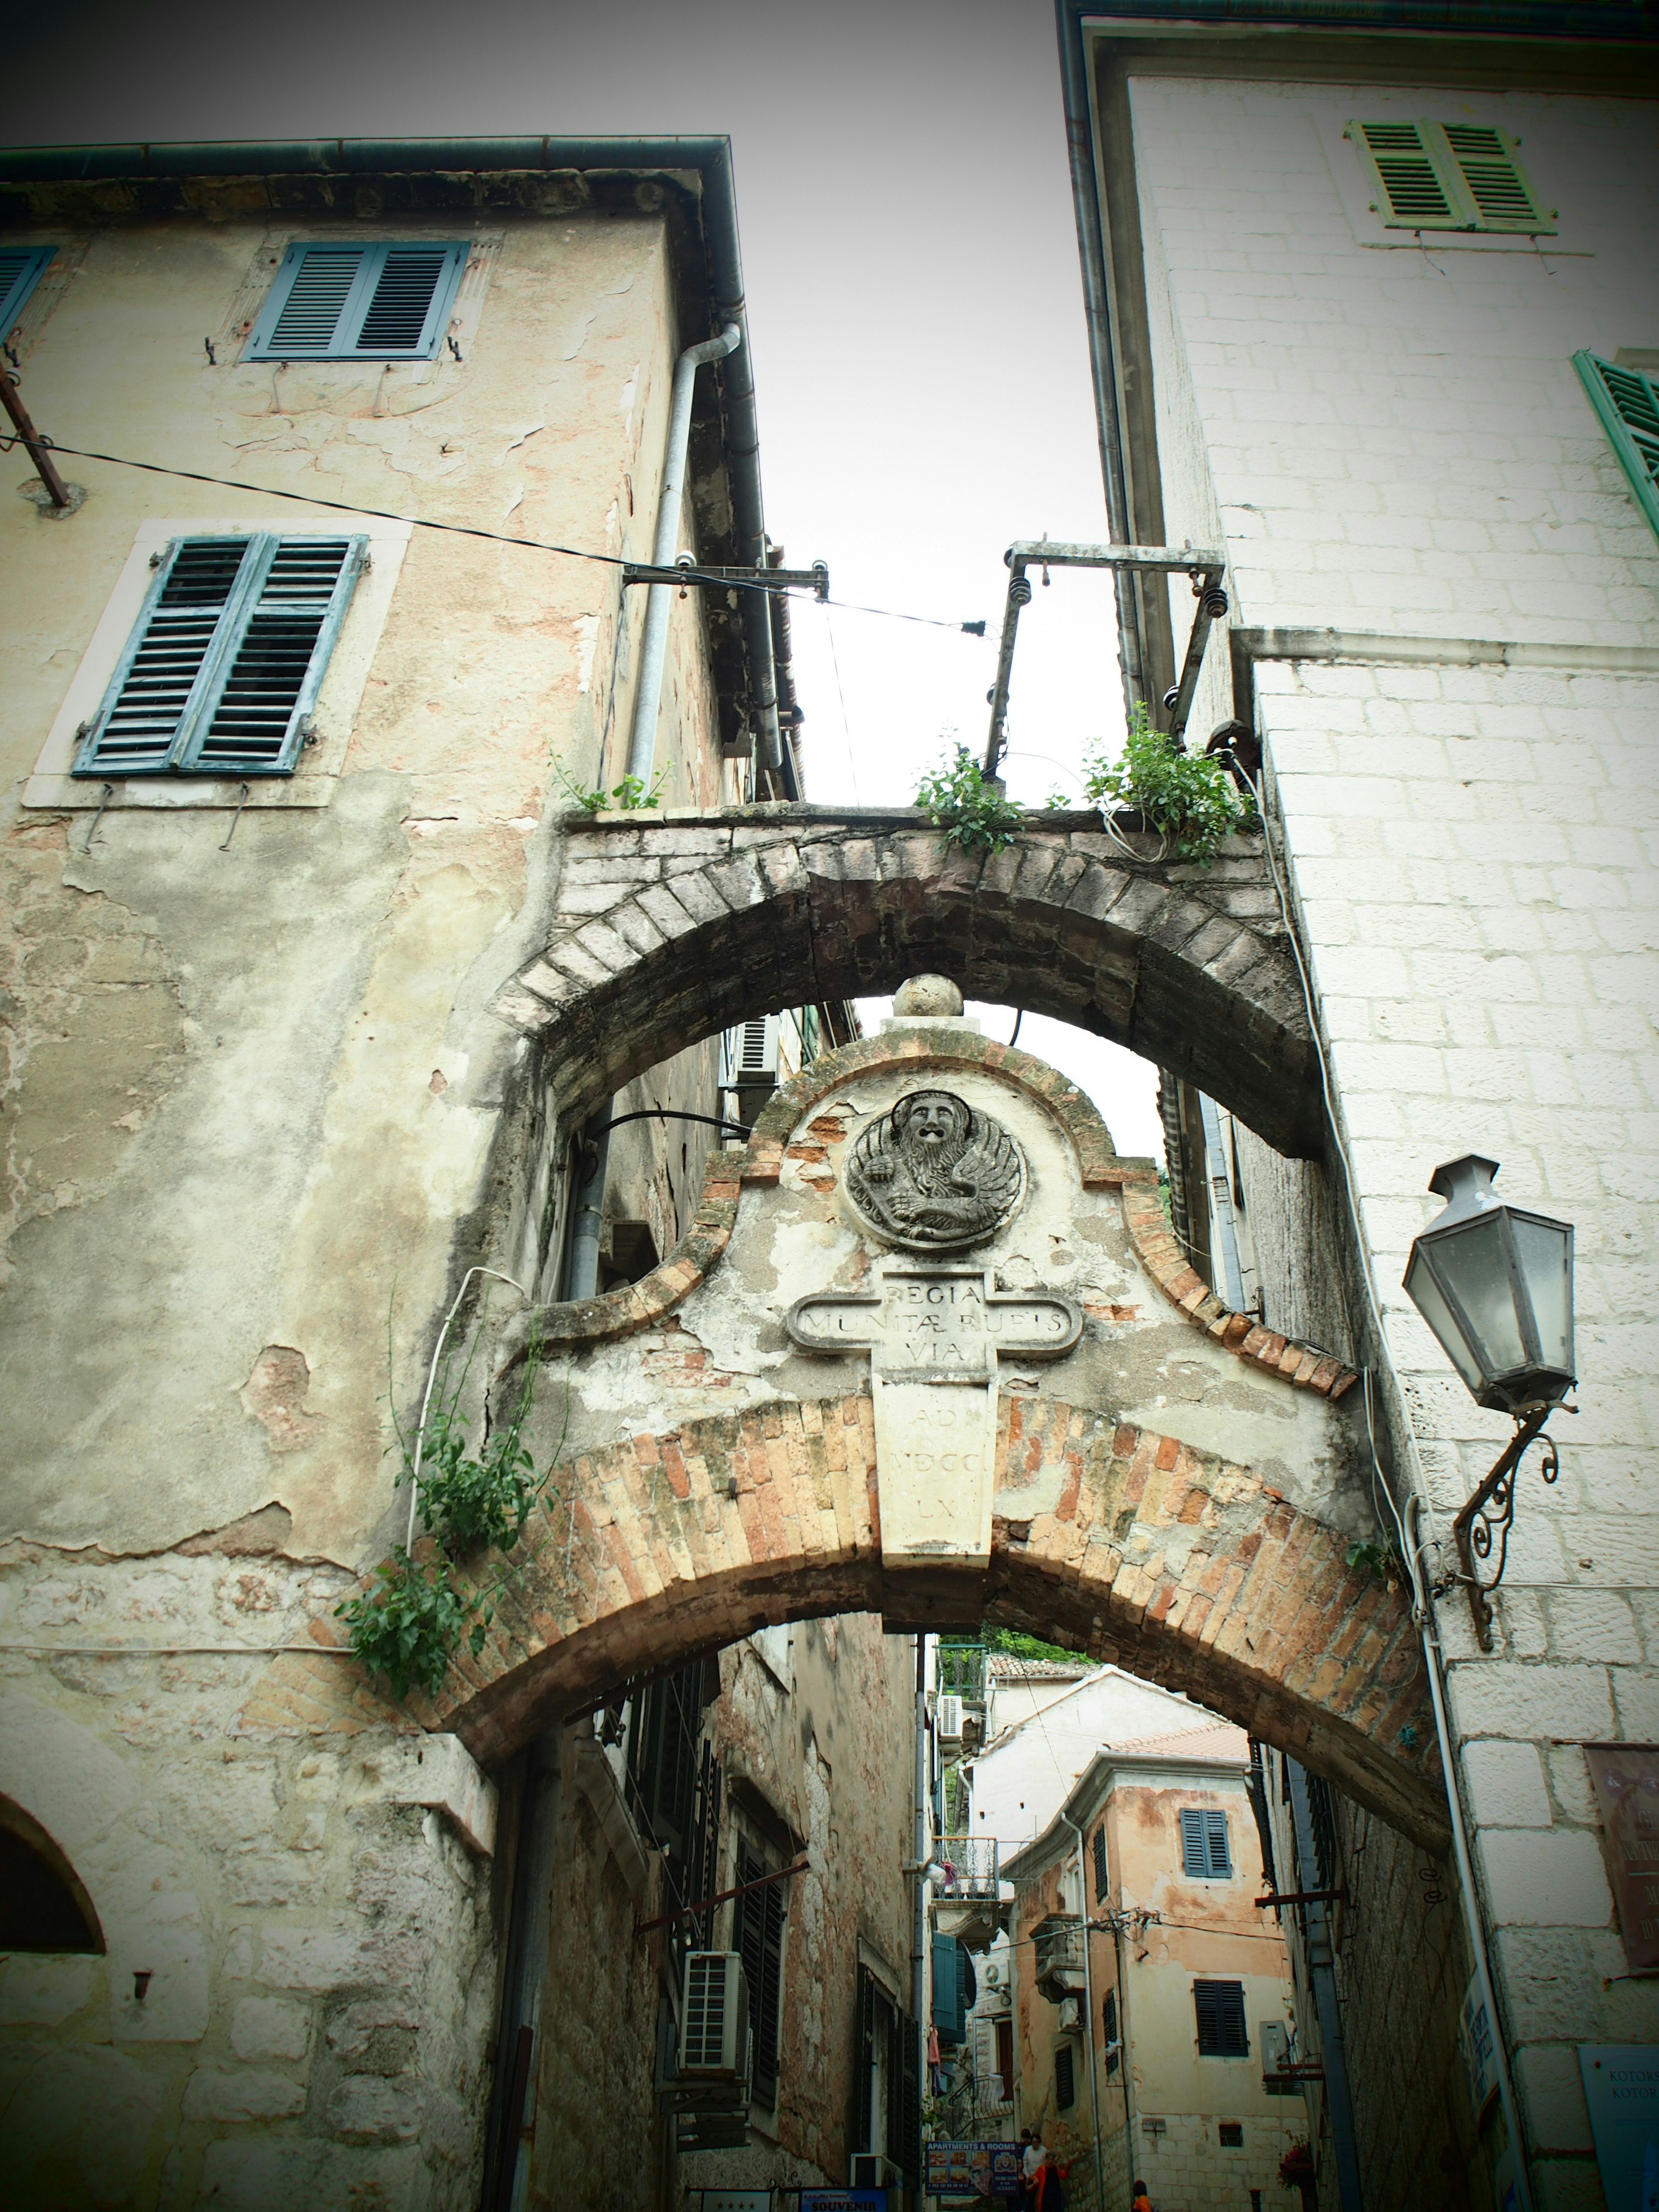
(359, 302)
(222, 668)
(1220, 2010)
(758, 1936)
(1203, 1853)
(1100, 1864)
(1065, 2078)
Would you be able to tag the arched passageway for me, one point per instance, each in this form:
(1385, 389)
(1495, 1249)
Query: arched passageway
(1173, 1563)
(665, 931)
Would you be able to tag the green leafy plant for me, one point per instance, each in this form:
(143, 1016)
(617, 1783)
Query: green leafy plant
(468, 1500)
(410, 1627)
(973, 810)
(632, 793)
(1020, 1645)
(1188, 798)
(1380, 1561)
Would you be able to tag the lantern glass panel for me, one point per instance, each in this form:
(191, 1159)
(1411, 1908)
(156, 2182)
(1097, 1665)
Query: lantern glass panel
(1544, 1251)
(1471, 1262)
(1424, 1294)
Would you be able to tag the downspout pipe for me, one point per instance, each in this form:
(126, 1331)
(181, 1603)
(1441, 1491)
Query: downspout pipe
(654, 645)
(1121, 1948)
(1428, 1629)
(1088, 2012)
(581, 1278)
(921, 1851)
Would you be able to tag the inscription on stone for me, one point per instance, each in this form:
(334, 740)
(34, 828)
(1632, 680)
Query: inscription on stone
(935, 1175)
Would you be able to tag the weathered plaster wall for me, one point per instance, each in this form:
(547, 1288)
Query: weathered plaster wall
(1394, 440)
(257, 1116)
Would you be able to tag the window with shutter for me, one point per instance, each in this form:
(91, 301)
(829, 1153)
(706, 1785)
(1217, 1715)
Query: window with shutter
(1064, 2077)
(222, 668)
(1219, 2007)
(759, 1938)
(1215, 1838)
(1448, 176)
(20, 268)
(1100, 1864)
(359, 302)
(1626, 402)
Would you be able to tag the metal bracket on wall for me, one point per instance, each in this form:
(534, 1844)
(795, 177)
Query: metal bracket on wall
(1202, 563)
(815, 580)
(1490, 1513)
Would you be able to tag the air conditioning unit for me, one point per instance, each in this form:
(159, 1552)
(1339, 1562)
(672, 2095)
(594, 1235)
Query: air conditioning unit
(871, 2170)
(1071, 2016)
(948, 1715)
(994, 1976)
(713, 2017)
(752, 1053)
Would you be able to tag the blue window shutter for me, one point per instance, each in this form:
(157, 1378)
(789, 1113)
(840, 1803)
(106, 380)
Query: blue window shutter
(1215, 1832)
(225, 660)
(359, 302)
(1627, 404)
(948, 2016)
(1194, 1863)
(20, 268)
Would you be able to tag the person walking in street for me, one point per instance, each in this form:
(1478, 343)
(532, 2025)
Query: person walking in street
(1139, 2200)
(1030, 2164)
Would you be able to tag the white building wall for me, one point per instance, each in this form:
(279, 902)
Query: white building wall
(1394, 438)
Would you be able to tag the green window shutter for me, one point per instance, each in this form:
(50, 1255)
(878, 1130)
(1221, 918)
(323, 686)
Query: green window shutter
(1491, 171)
(358, 303)
(1215, 1838)
(1194, 1860)
(225, 661)
(1415, 186)
(1627, 403)
(20, 268)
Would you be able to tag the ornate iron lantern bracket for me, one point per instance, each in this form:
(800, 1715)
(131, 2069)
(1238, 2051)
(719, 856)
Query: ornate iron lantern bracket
(1489, 1515)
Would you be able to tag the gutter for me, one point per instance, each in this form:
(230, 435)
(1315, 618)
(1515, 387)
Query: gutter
(708, 157)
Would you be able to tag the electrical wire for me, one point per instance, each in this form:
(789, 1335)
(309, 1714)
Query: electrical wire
(691, 575)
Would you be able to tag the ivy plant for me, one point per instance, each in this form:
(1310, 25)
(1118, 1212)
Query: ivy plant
(409, 1627)
(971, 808)
(1188, 798)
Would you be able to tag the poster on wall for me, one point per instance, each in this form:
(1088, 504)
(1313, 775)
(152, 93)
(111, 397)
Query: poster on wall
(1626, 1778)
(1621, 2087)
(972, 2169)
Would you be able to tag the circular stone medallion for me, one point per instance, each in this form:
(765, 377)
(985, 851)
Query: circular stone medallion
(935, 1175)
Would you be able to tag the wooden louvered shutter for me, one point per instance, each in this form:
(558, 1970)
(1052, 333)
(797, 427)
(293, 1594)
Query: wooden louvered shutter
(1487, 164)
(1215, 1837)
(1411, 192)
(359, 302)
(20, 268)
(1219, 2007)
(1065, 2078)
(223, 666)
(1195, 1862)
(1626, 401)
(760, 1940)
(1101, 1882)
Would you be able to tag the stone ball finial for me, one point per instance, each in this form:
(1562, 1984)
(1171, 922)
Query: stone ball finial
(929, 995)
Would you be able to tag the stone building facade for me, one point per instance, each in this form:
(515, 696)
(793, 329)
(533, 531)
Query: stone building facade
(261, 1121)
(1442, 566)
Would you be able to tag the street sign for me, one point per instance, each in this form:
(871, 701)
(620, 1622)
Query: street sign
(1621, 2087)
(972, 2169)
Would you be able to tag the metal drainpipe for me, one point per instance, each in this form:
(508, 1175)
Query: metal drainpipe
(654, 645)
(922, 1853)
(1089, 2014)
(1321, 1973)
(587, 1217)
(1123, 2048)
(1471, 1896)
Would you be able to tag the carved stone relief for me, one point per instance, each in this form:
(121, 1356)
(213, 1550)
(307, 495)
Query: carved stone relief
(935, 1175)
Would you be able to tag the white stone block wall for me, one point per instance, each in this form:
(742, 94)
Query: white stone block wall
(1392, 437)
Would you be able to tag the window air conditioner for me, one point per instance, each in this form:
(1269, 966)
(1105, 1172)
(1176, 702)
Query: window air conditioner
(994, 1976)
(871, 2170)
(1071, 2016)
(949, 1715)
(715, 2017)
(752, 1055)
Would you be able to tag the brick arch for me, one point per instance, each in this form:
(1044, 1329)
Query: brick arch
(668, 931)
(1175, 1563)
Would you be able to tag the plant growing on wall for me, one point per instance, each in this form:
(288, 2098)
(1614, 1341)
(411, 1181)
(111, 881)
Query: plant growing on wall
(632, 793)
(409, 1628)
(972, 809)
(1188, 798)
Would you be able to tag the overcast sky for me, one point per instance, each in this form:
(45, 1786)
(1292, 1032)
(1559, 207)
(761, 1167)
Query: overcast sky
(915, 303)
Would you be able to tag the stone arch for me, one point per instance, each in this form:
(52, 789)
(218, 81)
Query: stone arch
(667, 931)
(1175, 1563)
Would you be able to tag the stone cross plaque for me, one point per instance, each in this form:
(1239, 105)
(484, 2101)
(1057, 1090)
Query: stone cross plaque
(934, 1334)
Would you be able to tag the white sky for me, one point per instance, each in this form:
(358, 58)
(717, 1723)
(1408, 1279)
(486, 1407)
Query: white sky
(914, 303)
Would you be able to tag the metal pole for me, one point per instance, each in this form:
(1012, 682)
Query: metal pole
(921, 1853)
(38, 451)
(1123, 2046)
(1089, 2014)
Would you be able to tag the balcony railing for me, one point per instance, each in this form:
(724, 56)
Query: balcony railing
(969, 1864)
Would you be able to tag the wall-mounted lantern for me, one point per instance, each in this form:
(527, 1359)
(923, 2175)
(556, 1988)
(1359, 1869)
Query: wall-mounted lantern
(1495, 1285)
